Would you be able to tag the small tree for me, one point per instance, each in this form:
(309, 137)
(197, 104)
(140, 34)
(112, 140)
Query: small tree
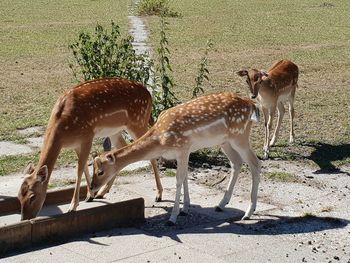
(163, 97)
(203, 72)
(108, 54)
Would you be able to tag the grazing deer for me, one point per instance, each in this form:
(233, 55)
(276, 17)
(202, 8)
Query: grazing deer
(218, 119)
(272, 89)
(96, 108)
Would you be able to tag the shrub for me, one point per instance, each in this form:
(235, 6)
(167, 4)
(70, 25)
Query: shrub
(156, 7)
(108, 54)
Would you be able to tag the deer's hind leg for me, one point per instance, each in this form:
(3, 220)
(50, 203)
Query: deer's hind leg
(83, 156)
(249, 157)
(236, 164)
(291, 115)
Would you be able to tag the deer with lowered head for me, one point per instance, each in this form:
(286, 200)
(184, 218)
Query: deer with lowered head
(272, 89)
(222, 119)
(97, 108)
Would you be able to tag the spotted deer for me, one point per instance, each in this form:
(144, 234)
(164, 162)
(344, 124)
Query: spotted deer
(97, 108)
(218, 119)
(272, 90)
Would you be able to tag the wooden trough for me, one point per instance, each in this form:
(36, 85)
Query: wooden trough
(29, 232)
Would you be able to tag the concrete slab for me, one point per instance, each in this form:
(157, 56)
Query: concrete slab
(283, 229)
(10, 148)
(175, 253)
(118, 244)
(48, 254)
(36, 142)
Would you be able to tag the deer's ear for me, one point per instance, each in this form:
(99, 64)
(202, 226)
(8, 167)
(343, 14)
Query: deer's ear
(110, 158)
(94, 154)
(242, 73)
(263, 74)
(43, 174)
(29, 169)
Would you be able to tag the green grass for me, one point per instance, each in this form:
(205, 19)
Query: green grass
(10, 164)
(34, 54)
(34, 58)
(255, 34)
(170, 172)
(280, 176)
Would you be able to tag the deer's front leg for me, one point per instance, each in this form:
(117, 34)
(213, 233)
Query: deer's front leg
(117, 141)
(186, 206)
(281, 111)
(181, 173)
(90, 194)
(266, 129)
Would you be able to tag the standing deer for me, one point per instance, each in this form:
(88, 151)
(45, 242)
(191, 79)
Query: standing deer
(95, 108)
(272, 89)
(218, 119)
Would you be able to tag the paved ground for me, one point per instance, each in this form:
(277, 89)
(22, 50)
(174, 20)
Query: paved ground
(303, 221)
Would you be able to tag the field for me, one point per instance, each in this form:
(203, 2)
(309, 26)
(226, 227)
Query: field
(34, 58)
(255, 34)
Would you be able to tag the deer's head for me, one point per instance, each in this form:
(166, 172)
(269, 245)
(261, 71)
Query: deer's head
(254, 79)
(33, 191)
(104, 170)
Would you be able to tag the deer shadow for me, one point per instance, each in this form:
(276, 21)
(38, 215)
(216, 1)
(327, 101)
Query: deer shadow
(200, 220)
(324, 154)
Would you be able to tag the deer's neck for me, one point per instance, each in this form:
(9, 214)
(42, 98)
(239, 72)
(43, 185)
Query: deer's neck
(49, 152)
(145, 148)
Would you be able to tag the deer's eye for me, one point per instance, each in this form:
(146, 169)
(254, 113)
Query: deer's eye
(100, 172)
(32, 198)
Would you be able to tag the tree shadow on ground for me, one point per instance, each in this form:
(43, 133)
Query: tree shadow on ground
(324, 154)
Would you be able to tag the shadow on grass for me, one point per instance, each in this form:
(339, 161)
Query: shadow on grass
(324, 154)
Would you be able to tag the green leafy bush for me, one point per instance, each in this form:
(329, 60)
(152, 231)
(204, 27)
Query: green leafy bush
(108, 54)
(156, 7)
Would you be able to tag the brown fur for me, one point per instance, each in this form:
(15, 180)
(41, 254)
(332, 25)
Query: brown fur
(100, 107)
(272, 89)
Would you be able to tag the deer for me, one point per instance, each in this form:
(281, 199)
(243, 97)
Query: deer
(272, 89)
(96, 108)
(223, 119)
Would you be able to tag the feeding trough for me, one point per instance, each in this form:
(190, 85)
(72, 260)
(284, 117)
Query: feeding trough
(15, 234)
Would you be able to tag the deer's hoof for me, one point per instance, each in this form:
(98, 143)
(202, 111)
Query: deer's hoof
(182, 213)
(99, 197)
(158, 199)
(170, 223)
(89, 199)
(218, 209)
